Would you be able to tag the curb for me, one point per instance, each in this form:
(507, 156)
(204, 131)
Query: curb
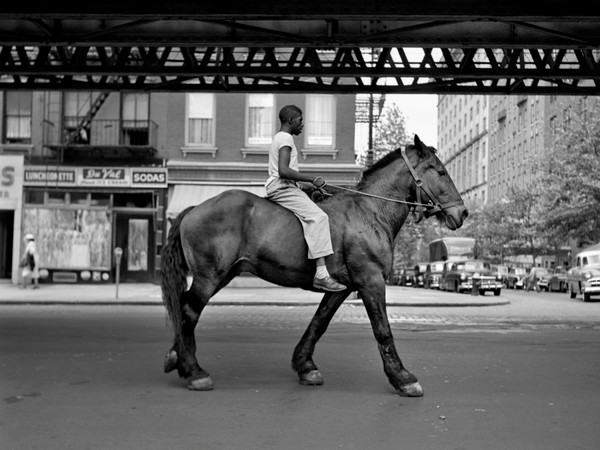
(244, 303)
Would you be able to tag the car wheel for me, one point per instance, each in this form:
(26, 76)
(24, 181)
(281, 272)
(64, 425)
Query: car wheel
(586, 297)
(497, 292)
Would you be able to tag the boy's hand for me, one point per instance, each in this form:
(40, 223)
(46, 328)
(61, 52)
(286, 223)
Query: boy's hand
(319, 182)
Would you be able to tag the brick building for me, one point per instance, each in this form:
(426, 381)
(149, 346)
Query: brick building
(92, 171)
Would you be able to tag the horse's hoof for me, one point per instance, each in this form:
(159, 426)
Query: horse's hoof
(312, 378)
(411, 390)
(200, 384)
(170, 361)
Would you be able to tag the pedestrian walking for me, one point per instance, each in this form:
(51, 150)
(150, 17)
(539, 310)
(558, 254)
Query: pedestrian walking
(30, 263)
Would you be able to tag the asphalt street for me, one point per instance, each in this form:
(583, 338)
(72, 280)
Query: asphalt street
(522, 374)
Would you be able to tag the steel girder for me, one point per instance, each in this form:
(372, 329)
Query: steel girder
(214, 48)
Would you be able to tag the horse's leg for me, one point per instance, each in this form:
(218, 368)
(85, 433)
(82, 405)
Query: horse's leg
(302, 361)
(404, 382)
(184, 359)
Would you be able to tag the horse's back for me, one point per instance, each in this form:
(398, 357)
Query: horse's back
(237, 225)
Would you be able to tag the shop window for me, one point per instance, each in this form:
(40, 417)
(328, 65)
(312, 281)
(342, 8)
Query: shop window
(18, 117)
(78, 198)
(71, 238)
(260, 120)
(57, 197)
(320, 120)
(137, 256)
(100, 199)
(34, 197)
(133, 200)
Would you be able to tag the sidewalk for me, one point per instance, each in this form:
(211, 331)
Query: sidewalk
(149, 294)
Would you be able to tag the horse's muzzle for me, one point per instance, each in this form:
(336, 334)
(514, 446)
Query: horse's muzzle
(455, 216)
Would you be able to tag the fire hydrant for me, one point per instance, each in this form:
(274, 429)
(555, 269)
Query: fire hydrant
(475, 284)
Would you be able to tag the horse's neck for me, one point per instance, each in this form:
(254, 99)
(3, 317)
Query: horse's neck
(392, 183)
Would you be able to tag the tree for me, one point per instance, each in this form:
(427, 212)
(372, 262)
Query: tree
(389, 133)
(571, 183)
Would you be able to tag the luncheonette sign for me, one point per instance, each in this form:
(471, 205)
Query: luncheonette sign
(95, 176)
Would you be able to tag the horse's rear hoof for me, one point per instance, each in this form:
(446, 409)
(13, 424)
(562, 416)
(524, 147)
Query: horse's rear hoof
(411, 390)
(312, 378)
(200, 384)
(170, 361)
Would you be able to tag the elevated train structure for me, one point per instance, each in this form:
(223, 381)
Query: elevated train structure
(426, 46)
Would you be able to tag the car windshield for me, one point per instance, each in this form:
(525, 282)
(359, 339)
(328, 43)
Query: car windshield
(470, 266)
(593, 259)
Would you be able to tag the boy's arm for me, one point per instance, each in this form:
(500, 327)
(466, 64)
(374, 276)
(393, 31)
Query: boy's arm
(285, 171)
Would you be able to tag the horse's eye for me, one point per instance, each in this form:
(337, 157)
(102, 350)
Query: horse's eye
(441, 173)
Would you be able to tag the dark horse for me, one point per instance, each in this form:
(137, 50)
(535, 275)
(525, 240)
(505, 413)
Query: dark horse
(238, 231)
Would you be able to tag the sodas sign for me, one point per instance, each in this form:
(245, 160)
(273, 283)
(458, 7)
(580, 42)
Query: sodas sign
(149, 178)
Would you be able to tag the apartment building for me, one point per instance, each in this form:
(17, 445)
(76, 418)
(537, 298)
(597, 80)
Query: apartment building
(463, 143)
(90, 172)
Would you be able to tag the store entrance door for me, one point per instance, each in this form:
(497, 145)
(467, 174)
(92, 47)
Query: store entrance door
(135, 235)
(6, 242)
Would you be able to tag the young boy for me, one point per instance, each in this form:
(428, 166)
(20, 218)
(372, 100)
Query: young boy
(282, 188)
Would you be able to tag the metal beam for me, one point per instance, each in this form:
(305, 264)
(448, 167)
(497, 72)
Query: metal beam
(334, 46)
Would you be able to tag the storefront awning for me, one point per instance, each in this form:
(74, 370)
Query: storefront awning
(184, 195)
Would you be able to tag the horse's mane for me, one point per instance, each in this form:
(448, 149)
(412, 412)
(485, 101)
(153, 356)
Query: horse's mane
(388, 159)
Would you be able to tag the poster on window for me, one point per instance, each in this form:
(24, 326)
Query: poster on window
(70, 238)
(137, 254)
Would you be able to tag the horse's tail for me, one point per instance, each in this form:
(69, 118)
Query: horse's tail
(174, 273)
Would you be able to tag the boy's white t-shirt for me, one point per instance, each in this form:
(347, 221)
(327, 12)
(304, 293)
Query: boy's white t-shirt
(281, 139)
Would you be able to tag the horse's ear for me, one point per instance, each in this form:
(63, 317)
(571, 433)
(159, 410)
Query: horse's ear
(419, 145)
(418, 142)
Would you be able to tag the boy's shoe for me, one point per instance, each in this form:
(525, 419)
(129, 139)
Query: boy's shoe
(328, 284)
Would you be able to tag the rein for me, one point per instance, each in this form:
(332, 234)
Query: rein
(419, 209)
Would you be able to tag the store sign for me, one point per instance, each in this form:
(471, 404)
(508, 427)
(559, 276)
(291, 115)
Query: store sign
(149, 177)
(50, 177)
(11, 178)
(104, 176)
(96, 176)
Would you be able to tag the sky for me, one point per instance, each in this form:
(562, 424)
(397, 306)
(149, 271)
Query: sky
(420, 111)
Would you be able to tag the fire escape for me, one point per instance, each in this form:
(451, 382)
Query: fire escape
(89, 139)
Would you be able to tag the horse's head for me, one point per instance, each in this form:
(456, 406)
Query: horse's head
(434, 185)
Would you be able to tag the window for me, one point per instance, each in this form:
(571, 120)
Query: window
(200, 119)
(260, 119)
(135, 114)
(18, 117)
(76, 106)
(320, 120)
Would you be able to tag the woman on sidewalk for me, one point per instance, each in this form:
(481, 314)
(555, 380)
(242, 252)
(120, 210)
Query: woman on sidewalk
(30, 263)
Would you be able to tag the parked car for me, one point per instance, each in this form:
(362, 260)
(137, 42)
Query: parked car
(555, 281)
(514, 279)
(420, 270)
(503, 271)
(459, 278)
(533, 278)
(405, 276)
(433, 274)
(584, 277)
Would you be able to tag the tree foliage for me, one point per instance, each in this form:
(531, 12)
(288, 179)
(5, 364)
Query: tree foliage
(389, 133)
(571, 182)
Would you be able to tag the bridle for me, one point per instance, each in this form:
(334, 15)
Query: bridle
(425, 209)
(418, 208)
